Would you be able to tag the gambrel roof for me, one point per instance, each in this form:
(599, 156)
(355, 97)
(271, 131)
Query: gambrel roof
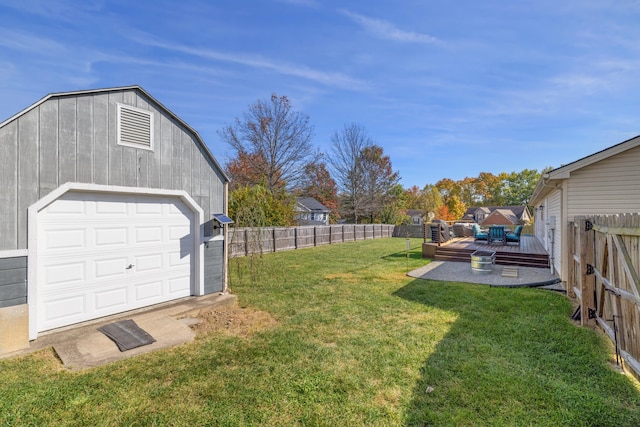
(197, 136)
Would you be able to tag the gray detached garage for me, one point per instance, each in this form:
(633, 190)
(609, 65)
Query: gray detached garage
(108, 203)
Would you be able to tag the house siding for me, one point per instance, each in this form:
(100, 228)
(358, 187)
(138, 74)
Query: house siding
(609, 186)
(72, 138)
(213, 266)
(13, 281)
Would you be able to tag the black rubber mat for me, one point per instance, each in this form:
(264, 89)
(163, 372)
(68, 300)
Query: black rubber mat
(127, 334)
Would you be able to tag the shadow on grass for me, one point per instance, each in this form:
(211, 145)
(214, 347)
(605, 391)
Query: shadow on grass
(404, 254)
(513, 357)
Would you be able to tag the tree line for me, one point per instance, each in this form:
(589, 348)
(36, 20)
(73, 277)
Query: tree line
(274, 161)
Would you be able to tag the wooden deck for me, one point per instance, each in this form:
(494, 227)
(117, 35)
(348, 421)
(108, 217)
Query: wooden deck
(530, 252)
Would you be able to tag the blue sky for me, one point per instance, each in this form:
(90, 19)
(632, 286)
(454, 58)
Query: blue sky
(449, 89)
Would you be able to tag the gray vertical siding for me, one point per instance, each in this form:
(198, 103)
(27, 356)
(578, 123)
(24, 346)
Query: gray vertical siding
(100, 165)
(8, 186)
(13, 281)
(84, 138)
(28, 184)
(72, 138)
(48, 147)
(213, 266)
(67, 141)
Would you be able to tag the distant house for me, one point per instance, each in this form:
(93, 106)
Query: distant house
(603, 183)
(311, 212)
(416, 215)
(498, 215)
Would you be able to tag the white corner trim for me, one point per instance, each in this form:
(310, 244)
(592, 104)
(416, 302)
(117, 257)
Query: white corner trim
(14, 253)
(32, 227)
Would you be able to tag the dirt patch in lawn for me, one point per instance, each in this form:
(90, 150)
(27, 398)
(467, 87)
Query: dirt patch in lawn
(236, 321)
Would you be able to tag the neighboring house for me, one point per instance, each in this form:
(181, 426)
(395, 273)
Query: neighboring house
(416, 215)
(498, 215)
(607, 182)
(106, 200)
(311, 212)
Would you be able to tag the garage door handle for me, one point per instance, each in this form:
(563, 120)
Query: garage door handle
(130, 266)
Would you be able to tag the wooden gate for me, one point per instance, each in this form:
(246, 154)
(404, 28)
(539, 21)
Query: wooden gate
(603, 276)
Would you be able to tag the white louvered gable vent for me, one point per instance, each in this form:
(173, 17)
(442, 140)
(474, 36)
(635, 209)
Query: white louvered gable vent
(135, 127)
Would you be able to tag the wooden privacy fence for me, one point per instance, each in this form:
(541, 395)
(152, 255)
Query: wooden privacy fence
(604, 278)
(246, 241)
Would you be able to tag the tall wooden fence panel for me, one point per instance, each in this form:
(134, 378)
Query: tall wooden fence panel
(337, 233)
(604, 277)
(247, 241)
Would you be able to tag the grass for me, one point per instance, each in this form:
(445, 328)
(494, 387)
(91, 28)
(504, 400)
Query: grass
(347, 339)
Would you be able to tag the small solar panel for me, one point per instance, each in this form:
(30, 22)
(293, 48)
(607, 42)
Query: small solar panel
(222, 219)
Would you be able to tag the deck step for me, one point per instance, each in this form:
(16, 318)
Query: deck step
(510, 272)
(506, 258)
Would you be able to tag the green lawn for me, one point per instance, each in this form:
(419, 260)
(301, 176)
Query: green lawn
(350, 340)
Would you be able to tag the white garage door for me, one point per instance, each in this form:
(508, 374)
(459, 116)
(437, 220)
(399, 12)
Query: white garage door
(101, 254)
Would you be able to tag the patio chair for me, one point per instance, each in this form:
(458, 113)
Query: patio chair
(478, 234)
(515, 236)
(497, 234)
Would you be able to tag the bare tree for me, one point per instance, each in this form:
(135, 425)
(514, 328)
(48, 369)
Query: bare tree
(345, 160)
(272, 131)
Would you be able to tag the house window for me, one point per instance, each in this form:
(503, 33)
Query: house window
(135, 127)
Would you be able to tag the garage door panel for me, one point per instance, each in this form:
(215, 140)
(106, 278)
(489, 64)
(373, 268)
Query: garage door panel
(111, 208)
(65, 239)
(60, 312)
(179, 286)
(150, 291)
(179, 232)
(148, 234)
(179, 259)
(110, 299)
(65, 273)
(103, 254)
(66, 208)
(111, 236)
(110, 268)
(150, 262)
(149, 209)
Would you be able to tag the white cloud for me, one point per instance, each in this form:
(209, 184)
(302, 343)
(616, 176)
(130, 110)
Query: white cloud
(326, 78)
(26, 42)
(387, 30)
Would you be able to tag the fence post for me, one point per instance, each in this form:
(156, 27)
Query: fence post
(587, 275)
